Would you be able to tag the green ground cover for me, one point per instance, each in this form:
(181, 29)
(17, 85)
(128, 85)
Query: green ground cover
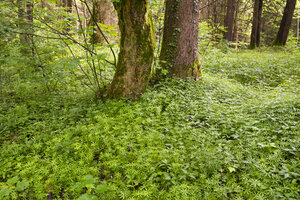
(233, 135)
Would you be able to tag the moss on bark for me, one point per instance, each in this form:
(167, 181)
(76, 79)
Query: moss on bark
(136, 49)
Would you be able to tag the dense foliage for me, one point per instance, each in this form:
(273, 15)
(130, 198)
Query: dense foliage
(233, 135)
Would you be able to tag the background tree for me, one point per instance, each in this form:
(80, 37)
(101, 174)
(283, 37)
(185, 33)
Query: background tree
(256, 24)
(229, 20)
(179, 53)
(136, 49)
(285, 24)
(68, 4)
(236, 24)
(213, 12)
(103, 13)
(25, 15)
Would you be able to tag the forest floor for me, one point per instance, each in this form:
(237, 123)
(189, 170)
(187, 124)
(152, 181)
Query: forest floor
(233, 135)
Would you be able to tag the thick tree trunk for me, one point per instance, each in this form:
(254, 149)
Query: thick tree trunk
(136, 49)
(229, 19)
(285, 24)
(256, 23)
(179, 53)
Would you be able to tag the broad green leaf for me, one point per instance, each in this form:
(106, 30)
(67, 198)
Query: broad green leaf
(87, 197)
(13, 180)
(4, 192)
(22, 185)
(231, 169)
(100, 189)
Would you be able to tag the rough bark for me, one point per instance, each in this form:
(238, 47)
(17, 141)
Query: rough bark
(136, 49)
(256, 23)
(285, 24)
(229, 19)
(179, 53)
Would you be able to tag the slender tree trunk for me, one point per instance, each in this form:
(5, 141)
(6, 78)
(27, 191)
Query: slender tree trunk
(285, 24)
(236, 24)
(1, 92)
(255, 33)
(136, 49)
(29, 13)
(229, 19)
(297, 31)
(215, 13)
(25, 15)
(257, 38)
(179, 53)
(21, 19)
(254, 25)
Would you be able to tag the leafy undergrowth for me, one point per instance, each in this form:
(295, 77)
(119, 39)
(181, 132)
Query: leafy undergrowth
(260, 69)
(233, 135)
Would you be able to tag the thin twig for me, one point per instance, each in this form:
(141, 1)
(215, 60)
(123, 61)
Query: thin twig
(100, 30)
(69, 37)
(88, 77)
(92, 67)
(203, 55)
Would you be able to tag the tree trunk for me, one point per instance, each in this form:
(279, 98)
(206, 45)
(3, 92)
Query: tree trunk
(25, 15)
(297, 31)
(285, 24)
(104, 13)
(229, 19)
(21, 18)
(236, 24)
(257, 38)
(204, 10)
(179, 53)
(68, 4)
(256, 23)
(136, 49)
(29, 12)
(215, 13)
